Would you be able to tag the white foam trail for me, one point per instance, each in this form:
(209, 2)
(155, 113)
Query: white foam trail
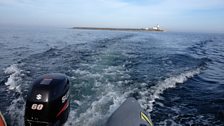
(95, 113)
(16, 112)
(77, 102)
(17, 106)
(108, 99)
(14, 78)
(150, 95)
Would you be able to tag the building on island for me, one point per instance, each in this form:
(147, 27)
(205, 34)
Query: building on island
(156, 27)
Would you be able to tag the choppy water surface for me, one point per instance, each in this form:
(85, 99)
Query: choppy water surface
(176, 77)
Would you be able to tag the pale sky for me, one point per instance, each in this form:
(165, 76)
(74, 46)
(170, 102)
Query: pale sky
(171, 15)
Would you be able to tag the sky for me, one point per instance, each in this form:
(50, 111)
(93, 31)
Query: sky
(171, 15)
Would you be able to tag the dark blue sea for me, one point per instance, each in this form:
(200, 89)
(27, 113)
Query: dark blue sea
(178, 78)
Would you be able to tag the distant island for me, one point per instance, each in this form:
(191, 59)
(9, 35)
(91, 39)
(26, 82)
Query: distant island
(155, 28)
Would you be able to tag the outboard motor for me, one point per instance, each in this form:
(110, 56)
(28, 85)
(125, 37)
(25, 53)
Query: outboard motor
(48, 102)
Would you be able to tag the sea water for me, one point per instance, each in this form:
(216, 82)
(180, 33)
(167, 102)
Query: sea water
(176, 77)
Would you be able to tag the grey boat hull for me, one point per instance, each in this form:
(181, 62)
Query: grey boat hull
(129, 113)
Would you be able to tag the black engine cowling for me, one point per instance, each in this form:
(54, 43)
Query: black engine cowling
(48, 101)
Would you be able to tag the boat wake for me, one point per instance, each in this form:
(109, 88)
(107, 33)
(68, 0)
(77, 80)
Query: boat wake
(149, 96)
(17, 106)
(14, 78)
